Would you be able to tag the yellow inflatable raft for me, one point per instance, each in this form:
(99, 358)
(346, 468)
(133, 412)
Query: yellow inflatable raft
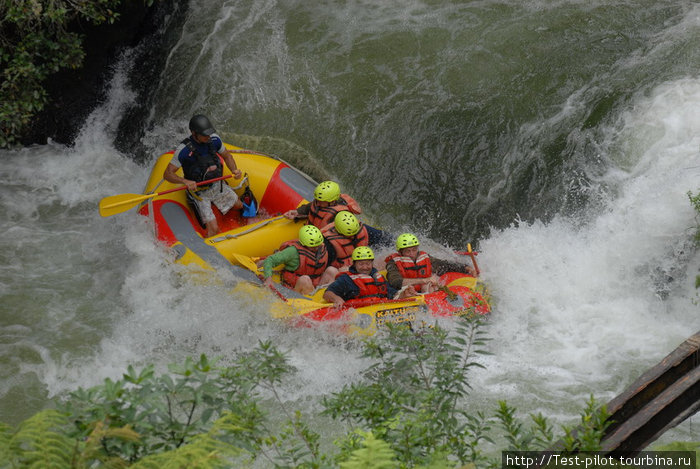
(277, 187)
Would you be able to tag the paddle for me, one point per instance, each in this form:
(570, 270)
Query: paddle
(249, 230)
(473, 256)
(246, 262)
(250, 264)
(122, 202)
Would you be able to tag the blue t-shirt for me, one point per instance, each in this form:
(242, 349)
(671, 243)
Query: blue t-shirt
(183, 153)
(344, 287)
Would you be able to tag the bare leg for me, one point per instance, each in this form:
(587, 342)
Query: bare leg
(212, 228)
(328, 276)
(304, 285)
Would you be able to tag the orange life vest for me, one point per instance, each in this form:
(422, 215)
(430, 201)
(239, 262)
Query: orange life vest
(408, 268)
(370, 287)
(320, 217)
(344, 245)
(312, 262)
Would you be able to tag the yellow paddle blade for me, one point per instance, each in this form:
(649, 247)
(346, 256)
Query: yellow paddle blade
(297, 307)
(121, 203)
(246, 262)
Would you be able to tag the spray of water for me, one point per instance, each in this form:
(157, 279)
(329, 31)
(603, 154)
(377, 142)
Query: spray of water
(585, 308)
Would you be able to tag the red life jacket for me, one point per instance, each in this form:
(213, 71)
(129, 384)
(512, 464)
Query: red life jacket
(312, 262)
(344, 245)
(408, 268)
(321, 217)
(370, 287)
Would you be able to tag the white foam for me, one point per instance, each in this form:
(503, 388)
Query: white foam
(587, 307)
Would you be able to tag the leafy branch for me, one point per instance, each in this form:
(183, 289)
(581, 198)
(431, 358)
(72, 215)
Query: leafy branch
(37, 39)
(409, 410)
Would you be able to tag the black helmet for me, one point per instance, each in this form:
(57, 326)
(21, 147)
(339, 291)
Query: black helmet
(200, 124)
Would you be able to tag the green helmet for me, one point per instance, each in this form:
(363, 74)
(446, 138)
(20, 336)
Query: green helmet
(310, 236)
(346, 223)
(327, 191)
(362, 253)
(406, 240)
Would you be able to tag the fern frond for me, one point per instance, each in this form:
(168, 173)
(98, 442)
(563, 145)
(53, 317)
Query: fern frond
(91, 450)
(125, 433)
(203, 452)
(41, 442)
(374, 454)
(5, 436)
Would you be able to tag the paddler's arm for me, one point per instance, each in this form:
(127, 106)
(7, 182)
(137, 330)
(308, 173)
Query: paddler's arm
(393, 277)
(301, 211)
(289, 257)
(407, 293)
(331, 297)
(442, 266)
(230, 162)
(379, 237)
(170, 175)
(396, 293)
(343, 287)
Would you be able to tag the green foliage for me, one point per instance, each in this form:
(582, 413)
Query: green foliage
(36, 41)
(591, 429)
(5, 436)
(517, 437)
(373, 454)
(170, 409)
(89, 451)
(43, 441)
(40, 442)
(539, 436)
(413, 395)
(212, 449)
(407, 411)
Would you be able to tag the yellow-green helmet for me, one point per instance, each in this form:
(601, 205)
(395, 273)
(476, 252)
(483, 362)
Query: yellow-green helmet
(327, 191)
(406, 240)
(346, 223)
(362, 253)
(310, 236)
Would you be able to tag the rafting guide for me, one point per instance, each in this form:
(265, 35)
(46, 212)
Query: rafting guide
(200, 156)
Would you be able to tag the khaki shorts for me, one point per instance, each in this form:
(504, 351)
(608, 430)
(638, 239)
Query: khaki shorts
(219, 194)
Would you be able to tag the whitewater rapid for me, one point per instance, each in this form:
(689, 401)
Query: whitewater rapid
(583, 302)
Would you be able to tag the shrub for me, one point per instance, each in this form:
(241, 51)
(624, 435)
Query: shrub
(408, 410)
(36, 41)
